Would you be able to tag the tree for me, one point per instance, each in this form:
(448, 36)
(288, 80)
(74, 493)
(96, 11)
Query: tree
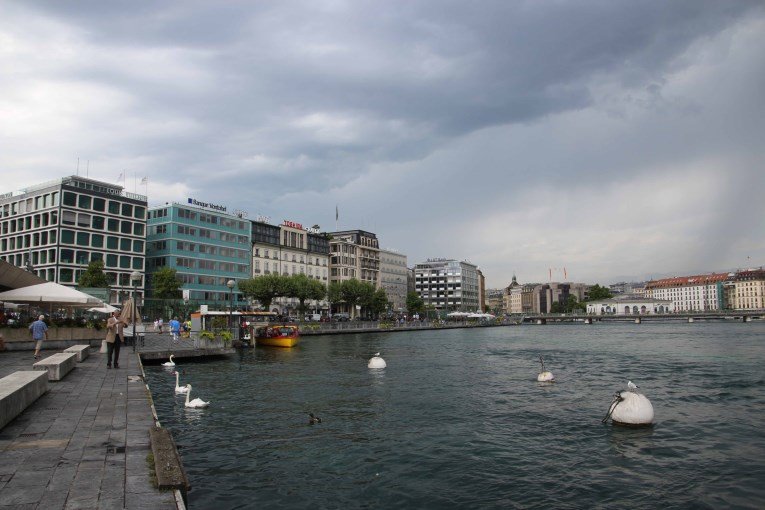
(265, 288)
(354, 292)
(414, 303)
(596, 292)
(165, 284)
(378, 302)
(94, 276)
(333, 294)
(304, 288)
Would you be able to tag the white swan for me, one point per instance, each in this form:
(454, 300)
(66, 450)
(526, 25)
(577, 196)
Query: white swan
(545, 375)
(179, 389)
(197, 403)
(170, 363)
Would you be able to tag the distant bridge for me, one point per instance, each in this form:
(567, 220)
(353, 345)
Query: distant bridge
(731, 315)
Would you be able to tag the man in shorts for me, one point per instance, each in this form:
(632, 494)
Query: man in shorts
(39, 332)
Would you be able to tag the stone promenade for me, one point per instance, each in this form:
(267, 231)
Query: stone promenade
(84, 444)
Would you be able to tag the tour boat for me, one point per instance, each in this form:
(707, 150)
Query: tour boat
(278, 335)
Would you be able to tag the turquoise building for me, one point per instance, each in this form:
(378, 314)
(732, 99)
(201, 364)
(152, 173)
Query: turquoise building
(205, 245)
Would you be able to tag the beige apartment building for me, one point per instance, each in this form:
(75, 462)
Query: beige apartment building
(289, 249)
(749, 290)
(696, 293)
(354, 254)
(393, 278)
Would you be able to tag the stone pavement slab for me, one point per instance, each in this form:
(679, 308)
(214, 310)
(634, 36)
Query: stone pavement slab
(83, 444)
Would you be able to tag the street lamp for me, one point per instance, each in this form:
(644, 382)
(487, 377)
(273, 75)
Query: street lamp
(135, 278)
(230, 284)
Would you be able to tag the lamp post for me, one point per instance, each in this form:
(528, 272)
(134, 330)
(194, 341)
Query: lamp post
(230, 284)
(135, 277)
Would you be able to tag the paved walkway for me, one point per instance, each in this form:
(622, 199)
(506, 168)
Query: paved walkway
(84, 444)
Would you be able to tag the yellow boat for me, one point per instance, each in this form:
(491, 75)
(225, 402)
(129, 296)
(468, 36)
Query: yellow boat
(278, 335)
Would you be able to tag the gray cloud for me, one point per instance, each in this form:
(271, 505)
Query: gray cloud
(420, 118)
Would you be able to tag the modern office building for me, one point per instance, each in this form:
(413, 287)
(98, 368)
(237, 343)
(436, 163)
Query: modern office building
(354, 254)
(448, 285)
(205, 245)
(57, 228)
(393, 278)
(690, 293)
(289, 249)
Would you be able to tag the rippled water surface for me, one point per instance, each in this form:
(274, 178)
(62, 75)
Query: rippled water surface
(457, 420)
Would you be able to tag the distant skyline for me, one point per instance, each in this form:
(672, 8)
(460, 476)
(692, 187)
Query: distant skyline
(619, 140)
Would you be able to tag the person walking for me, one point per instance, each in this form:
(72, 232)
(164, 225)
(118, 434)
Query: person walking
(114, 338)
(175, 328)
(39, 332)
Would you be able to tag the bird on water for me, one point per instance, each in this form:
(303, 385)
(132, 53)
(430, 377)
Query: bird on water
(313, 420)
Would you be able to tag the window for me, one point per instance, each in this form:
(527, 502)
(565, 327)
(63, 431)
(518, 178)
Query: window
(125, 244)
(66, 256)
(70, 199)
(113, 225)
(84, 202)
(124, 262)
(65, 275)
(138, 246)
(114, 207)
(99, 204)
(67, 236)
(139, 212)
(83, 239)
(68, 218)
(138, 229)
(98, 222)
(112, 242)
(97, 240)
(83, 220)
(137, 263)
(126, 227)
(82, 257)
(127, 210)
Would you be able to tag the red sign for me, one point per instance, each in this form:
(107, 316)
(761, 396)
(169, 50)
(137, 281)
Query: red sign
(292, 224)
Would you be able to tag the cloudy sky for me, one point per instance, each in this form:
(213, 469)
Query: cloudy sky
(616, 139)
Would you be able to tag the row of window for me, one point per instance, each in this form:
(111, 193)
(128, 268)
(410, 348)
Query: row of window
(97, 222)
(35, 221)
(186, 230)
(97, 204)
(204, 217)
(31, 204)
(295, 269)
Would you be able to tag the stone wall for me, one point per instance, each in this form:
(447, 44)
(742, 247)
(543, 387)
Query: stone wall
(20, 339)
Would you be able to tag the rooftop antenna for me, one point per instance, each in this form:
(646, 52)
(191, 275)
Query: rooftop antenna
(87, 169)
(78, 166)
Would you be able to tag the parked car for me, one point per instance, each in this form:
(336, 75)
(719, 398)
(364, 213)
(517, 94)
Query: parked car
(313, 317)
(341, 317)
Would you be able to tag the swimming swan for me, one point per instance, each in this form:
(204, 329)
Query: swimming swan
(170, 363)
(197, 403)
(179, 389)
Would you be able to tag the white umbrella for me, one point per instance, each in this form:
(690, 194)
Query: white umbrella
(457, 314)
(50, 293)
(103, 309)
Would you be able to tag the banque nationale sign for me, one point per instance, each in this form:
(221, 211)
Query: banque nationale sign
(207, 205)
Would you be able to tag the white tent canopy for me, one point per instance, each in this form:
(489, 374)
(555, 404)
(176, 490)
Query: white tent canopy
(458, 314)
(103, 309)
(481, 316)
(50, 293)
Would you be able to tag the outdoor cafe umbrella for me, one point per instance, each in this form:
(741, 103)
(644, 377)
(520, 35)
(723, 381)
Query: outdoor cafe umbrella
(103, 309)
(50, 293)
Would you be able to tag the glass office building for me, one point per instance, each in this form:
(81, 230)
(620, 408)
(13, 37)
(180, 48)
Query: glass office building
(57, 228)
(205, 246)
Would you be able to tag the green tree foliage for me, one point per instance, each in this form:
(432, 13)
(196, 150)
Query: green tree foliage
(94, 276)
(414, 303)
(165, 284)
(596, 292)
(571, 305)
(304, 289)
(377, 303)
(265, 288)
(333, 294)
(354, 292)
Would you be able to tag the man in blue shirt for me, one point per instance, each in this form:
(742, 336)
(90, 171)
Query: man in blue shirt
(39, 332)
(175, 328)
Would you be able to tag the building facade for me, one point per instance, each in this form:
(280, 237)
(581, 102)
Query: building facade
(495, 301)
(630, 305)
(354, 254)
(288, 249)
(206, 246)
(57, 228)
(697, 293)
(393, 278)
(448, 285)
(748, 290)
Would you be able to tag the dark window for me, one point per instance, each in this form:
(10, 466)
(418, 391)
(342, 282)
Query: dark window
(114, 207)
(111, 260)
(112, 242)
(98, 222)
(139, 212)
(138, 246)
(127, 210)
(83, 239)
(66, 256)
(124, 262)
(138, 229)
(126, 227)
(99, 204)
(125, 244)
(113, 225)
(67, 236)
(84, 202)
(70, 198)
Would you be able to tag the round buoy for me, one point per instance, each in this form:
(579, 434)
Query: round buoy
(376, 362)
(546, 376)
(631, 408)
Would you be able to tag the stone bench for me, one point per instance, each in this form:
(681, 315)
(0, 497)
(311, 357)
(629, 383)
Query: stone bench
(18, 391)
(57, 365)
(82, 351)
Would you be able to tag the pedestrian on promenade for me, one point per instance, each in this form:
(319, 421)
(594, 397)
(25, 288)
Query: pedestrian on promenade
(39, 332)
(175, 328)
(161, 323)
(156, 325)
(114, 338)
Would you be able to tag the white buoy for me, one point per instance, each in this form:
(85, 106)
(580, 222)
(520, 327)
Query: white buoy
(630, 407)
(545, 375)
(376, 362)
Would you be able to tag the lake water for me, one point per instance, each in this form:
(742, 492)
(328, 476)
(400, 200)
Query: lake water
(457, 420)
